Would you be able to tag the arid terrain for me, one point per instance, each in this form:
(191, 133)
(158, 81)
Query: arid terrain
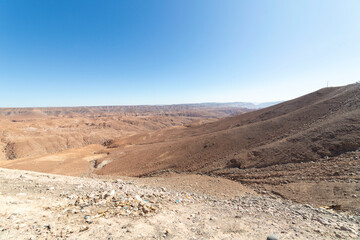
(45, 206)
(28, 132)
(210, 171)
(305, 149)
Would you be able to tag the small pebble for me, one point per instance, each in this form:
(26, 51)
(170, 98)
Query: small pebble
(272, 237)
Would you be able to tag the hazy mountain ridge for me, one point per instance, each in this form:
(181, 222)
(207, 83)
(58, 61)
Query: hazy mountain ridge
(56, 111)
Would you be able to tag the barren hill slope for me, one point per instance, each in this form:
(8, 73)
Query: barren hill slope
(306, 149)
(320, 124)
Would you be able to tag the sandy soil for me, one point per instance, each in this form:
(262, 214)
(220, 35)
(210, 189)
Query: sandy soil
(45, 206)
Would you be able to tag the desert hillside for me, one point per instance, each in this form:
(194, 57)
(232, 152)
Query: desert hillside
(321, 124)
(294, 148)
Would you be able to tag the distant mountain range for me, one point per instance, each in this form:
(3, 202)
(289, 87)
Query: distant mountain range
(55, 111)
(248, 105)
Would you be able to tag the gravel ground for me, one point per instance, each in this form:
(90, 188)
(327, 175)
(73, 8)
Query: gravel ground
(45, 206)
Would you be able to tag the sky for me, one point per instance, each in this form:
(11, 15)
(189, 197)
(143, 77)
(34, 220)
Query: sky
(88, 53)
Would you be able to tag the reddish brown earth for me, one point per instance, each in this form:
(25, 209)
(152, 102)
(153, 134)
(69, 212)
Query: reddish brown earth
(49, 139)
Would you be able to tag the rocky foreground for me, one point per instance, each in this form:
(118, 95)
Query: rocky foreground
(44, 206)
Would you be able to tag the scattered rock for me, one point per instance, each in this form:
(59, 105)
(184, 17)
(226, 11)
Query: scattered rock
(348, 229)
(272, 237)
(83, 228)
(47, 226)
(123, 212)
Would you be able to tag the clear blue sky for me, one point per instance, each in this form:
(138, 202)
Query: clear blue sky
(70, 53)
